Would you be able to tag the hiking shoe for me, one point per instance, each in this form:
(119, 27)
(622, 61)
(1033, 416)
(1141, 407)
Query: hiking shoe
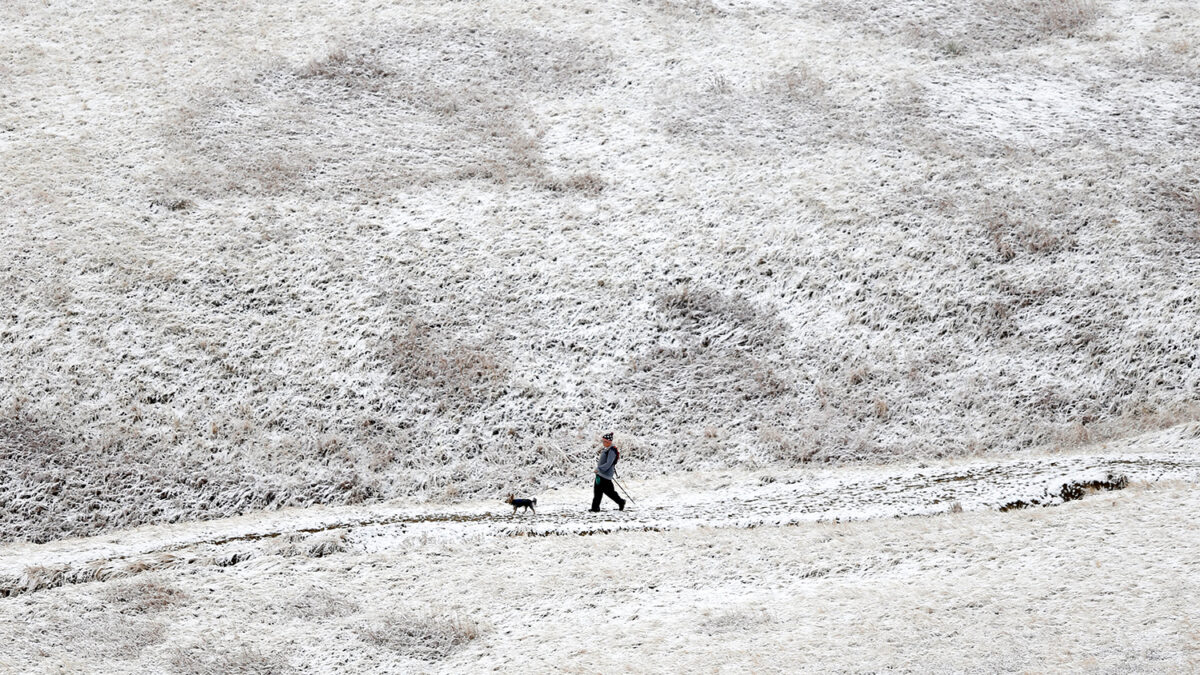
(621, 506)
(593, 510)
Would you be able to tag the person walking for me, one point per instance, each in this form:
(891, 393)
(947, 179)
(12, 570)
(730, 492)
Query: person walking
(606, 469)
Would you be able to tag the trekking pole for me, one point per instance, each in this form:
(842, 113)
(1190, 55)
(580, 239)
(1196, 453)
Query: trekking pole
(624, 489)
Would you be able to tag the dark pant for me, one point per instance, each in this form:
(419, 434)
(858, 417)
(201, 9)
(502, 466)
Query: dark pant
(604, 486)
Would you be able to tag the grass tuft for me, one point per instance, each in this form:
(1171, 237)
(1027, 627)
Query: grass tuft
(212, 657)
(421, 635)
(144, 596)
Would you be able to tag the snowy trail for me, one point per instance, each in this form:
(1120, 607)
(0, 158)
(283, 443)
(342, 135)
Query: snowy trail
(729, 499)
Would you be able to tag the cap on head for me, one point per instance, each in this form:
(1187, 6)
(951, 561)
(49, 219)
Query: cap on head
(607, 436)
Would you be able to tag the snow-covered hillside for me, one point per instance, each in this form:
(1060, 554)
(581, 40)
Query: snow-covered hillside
(268, 254)
(931, 567)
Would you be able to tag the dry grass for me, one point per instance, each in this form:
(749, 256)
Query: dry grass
(963, 27)
(787, 107)
(321, 603)
(710, 317)
(583, 183)
(144, 595)
(1067, 17)
(421, 635)
(120, 639)
(735, 621)
(726, 346)
(1086, 430)
(115, 481)
(267, 136)
(460, 373)
(173, 203)
(313, 546)
(802, 83)
(1180, 220)
(214, 658)
(1014, 229)
(689, 9)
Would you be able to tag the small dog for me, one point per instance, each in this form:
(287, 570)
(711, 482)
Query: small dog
(529, 504)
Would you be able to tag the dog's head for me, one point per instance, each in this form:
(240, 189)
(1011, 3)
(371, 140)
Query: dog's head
(509, 500)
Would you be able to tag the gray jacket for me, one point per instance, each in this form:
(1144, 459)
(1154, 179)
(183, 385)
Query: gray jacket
(606, 466)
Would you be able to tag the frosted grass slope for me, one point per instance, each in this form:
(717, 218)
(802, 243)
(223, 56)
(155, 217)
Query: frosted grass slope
(258, 256)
